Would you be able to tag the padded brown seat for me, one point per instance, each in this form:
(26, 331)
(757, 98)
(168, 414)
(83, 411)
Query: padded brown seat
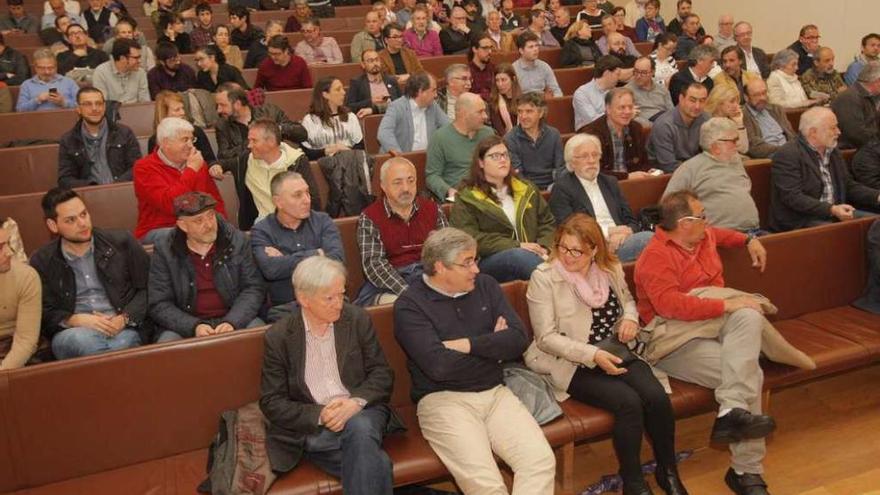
(850, 323)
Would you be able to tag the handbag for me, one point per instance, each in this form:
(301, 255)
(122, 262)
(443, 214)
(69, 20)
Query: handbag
(614, 346)
(535, 393)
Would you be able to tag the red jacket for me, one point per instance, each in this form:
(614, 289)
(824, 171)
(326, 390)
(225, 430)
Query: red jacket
(157, 184)
(666, 272)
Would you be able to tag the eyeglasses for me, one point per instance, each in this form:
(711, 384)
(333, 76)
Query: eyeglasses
(462, 78)
(574, 253)
(395, 37)
(695, 218)
(638, 72)
(467, 265)
(498, 155)
(730, 140)
(484, 47)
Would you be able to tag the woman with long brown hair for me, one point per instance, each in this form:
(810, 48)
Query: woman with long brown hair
(502, 99)
(329, 123)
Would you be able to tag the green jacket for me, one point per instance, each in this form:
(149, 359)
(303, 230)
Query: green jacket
(483, 218)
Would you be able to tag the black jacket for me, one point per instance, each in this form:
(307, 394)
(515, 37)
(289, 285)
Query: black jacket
(796, 187)
(232, 135)
(805, 62)
(244, 40)
(866, 164)
(285, 398)
(67, 61)
(74, 166)
(568, 197)
(763, 62)
(13, 62)
(682, 79)
(173, 288)
(256, 54)
(856, 115)
(359, 95)
(572, 55)
(226, 73)
(122, 265)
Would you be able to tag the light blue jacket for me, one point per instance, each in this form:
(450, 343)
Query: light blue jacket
(396, 128)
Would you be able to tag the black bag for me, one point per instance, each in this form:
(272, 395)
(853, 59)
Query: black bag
(614, 346)
(649, 217)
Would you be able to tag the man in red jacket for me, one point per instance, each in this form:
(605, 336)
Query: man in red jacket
(173, 169)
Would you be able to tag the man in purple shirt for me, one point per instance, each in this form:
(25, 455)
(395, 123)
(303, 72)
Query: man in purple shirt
(169, 73)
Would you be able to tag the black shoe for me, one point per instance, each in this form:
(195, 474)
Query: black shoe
(746, 483)
(740, 424)
(636, 488)
(669, 481)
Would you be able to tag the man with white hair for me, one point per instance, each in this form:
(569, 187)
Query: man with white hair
(810, 180)
(457, 328)
(451, 149)
(756, 59)
(458, 81)
(856, 108)
(333, 413)
(717, 176)
(293, 232)
(724, 38)
(392, 231)
(174, 168)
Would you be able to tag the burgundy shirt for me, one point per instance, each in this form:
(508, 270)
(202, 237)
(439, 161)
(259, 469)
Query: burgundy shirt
(209, 304)
(273, 77)
(482, 80)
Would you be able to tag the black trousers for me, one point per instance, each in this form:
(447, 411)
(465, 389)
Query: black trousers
(638, 403)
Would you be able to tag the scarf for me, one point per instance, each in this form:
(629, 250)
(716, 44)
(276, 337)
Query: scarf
(593, 289)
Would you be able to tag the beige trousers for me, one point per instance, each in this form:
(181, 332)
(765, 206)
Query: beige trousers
(465, 428)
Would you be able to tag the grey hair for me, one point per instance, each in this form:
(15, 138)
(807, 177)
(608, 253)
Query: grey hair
(274, 22)
(445, 245)
(870, 72)
(279, 179)
(714, 129)
(702, 52)
(576, 142)
(171, 127)
(812, 119)
(43, 54)
(383, 170)
(454, 69)
(315, 273)
(782, 58)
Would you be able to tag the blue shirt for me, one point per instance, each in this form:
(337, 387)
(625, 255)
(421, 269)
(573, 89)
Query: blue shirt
(589, 103)
(33, 87)
(90, 294)
(771, 131)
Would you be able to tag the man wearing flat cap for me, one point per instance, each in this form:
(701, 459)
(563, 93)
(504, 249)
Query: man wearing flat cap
(203, 279)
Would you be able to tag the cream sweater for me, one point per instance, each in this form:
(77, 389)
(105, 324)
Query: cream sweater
(20, 313)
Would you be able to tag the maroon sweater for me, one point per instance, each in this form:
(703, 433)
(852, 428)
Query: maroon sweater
(273, 77)
(403, 240)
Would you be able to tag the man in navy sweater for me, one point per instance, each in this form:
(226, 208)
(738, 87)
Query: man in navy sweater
(457, 328)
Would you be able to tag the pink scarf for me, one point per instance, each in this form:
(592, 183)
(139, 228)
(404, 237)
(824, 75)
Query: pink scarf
(593, 289)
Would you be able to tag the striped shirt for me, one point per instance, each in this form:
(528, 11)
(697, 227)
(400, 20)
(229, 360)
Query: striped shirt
(321, 370)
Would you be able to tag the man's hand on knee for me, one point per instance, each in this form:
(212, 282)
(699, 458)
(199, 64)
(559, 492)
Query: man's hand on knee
(337, 412)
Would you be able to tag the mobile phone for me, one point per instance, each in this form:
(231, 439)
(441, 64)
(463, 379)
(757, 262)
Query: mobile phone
(386, 97)
(53, 91)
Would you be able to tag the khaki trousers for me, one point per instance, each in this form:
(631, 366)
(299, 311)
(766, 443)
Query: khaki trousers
(465, 428)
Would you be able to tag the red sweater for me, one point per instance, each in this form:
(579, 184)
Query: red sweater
(157, 184)
(666, 272)
(403, 240)
(273, 77)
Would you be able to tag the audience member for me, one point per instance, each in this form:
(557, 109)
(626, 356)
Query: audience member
(652, 24)
(619, 15)
(589, 99)
(170, 104)
(723, 102)
(502, 99)
(203, 278)
(176, 167)
(404, 13)
(578, 304)
(784, 87)
(368, 39)
(755, 59)
(591, 14)
(259, 51)
(292, 232)
(700, 63)
(283, 69)
(683, 8)
(171, 8)
(20, 307)
(609, 28)
(456, 37)
(531, 73)
(870, 53)
(236, 113)
(617, 49)
(536, 23)
(203, 28)
(121, 78)
(172, 30)
(17, 21)
(510, 20)
(94, 282)
(665, 65)
(95, 151)
(503, 40)
(725, 37)
(451, 148)
(481, 67)
(170, 73)
(679, 284)
(623, 140)
(651, 98)
(823, 78)
(14, 67)
(126, 28)
(420, 38)
(675, 136)
(583, 189)
(214, 71)
(392, 231)
(338, 411)
(856, 108)
(331, 127)
(80, 54)
(458, 81)
(398, 60)
(47, 90)
(315, 48)
(508, 216)
(59, 8)
(243, 33)
(767, 126)
(535, 148)
(301, 12)
(578, 48)
(373, 91)
(409, 122)
(805, 47)
(717, 176)
(810, 180)
(635, 10)
(456, 327)
(865, 164)
(734, 74)
(230, 51)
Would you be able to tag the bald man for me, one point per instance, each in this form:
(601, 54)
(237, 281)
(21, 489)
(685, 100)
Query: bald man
(725, 37)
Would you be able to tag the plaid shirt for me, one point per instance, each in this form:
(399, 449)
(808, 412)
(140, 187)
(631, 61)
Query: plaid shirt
(619, 144)
(825, 174)
(377, 269)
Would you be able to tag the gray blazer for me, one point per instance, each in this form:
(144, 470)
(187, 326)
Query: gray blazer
(396, 129)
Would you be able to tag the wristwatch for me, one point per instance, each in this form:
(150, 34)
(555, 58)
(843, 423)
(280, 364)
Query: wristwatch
(749, 238)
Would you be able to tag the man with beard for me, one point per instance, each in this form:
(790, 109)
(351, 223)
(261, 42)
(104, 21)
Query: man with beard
(410, 121)
(94, 282)
(823, 77)
(20, 307)
(733, 61)
(372, 91)
(480, 64)
(391, 232)
(203, 279)
(767, 126)
(169, 73)
(95, 151)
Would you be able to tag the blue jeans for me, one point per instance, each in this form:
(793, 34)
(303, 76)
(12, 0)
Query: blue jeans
(355, 454)
(633, 245)
(369, 293)
(510, 264)
(171, 336)
(81, 341)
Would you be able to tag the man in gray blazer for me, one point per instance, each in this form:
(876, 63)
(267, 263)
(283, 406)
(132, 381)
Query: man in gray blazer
(415, 110)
